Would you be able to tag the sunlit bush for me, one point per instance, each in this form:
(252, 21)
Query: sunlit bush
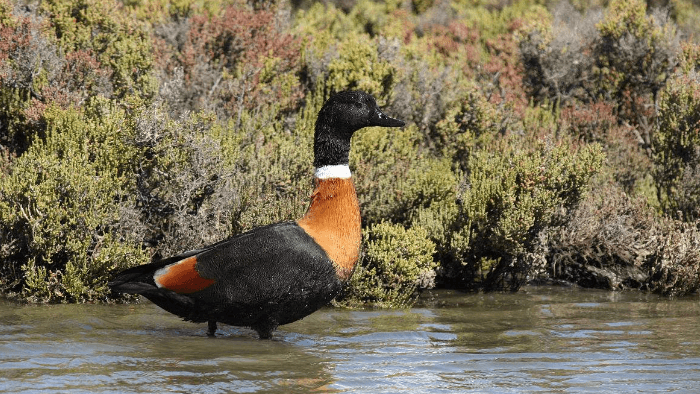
(636, 55)
(512, 191)
(353, 62)
(64, 53)
(559, 58)
(102, 29)
(624, 55)
(136, 130)
(397, 263)
(59, 212)
(234, 60)
(183, 193)
(677, 147)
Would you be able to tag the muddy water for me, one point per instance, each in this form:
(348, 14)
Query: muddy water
(541, 339)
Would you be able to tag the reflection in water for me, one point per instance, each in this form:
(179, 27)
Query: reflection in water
(541, 339)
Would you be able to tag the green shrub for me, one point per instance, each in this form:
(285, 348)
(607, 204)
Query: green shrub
(106, 30)
(63, 54)
(324, 23)
(624, 55)
(686, 14)
(380, 159)
(353, 62)
(604, 73)
(677, 147)
(103, 165)
(472, 122)
(273, 171)
(200, 180)
(396, 264)
(374, 17)
(60, 208)
(627, 161)
(492, 22)
(690, 58)
(509, 196)
(358, 66)
(183, 192)
(29, 66)
(637, 52)
(558, 57)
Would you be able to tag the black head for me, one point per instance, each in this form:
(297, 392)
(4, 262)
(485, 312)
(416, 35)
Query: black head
(341, 116)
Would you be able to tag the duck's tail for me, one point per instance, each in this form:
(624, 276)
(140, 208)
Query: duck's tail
(136, 280)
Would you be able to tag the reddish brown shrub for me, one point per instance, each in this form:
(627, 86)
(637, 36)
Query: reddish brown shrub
(506, 69)
(624, 146)
(28, 65)
(589, 122)
(455, 37)
(36, 74)
(241, 58)
(616, 242)
(606, 242)
(675, 269)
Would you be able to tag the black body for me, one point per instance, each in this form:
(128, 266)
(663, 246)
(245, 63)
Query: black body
(279, 275)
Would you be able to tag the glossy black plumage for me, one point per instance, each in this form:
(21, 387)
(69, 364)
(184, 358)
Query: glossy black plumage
(275, 274)
(279, 275)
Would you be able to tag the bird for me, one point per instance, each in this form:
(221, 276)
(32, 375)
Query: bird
(278, 273)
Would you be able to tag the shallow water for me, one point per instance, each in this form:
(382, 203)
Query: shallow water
(541, 339)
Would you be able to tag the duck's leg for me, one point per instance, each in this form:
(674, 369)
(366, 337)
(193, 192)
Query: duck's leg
(212, 328)
(264, 334)
(265, 327)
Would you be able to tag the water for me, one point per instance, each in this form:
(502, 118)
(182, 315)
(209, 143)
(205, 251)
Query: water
(542, 339)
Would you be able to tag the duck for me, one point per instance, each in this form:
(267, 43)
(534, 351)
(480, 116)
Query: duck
(279, 273)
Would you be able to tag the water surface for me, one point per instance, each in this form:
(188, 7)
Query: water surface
(541, 339)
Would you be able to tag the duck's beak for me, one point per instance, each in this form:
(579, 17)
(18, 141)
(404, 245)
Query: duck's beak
(380, 119)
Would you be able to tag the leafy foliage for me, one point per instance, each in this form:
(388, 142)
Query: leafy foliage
(677, 147)
(541, 143)
(238, 59)
(118, 42)
(508, 196)
(60, 208)
(397, 263)
(585, 57)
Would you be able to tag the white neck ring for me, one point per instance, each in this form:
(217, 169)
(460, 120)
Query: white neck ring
(335, 171)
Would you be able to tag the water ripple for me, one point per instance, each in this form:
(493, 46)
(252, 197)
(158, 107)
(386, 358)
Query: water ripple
(543, 340)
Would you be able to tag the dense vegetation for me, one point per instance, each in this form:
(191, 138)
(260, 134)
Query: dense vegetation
(546, 141)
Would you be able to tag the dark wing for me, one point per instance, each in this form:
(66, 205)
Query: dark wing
(254, 267)
(266, 265)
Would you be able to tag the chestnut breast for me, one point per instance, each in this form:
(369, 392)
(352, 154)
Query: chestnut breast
(333, 221)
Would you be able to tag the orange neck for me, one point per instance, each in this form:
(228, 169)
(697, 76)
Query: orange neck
(333, 221)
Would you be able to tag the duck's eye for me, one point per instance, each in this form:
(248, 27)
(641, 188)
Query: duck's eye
(358, 105)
